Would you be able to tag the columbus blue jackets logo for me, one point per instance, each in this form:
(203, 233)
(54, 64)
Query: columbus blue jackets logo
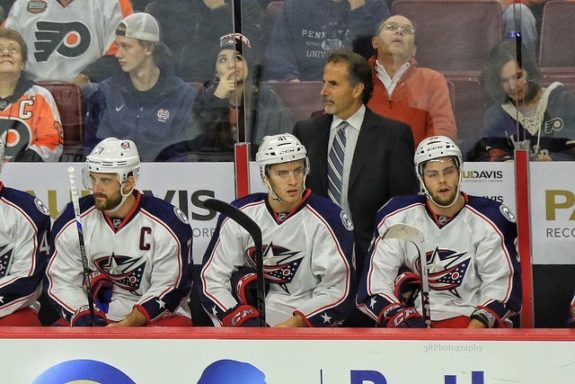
(447, 269)
(67, 39)
(280, 264)
(126, 272)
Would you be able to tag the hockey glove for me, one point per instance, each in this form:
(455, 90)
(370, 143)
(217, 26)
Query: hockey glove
(406, 287)
(399, 316)
(244, 286)
(83, 318)
(242, 316)
(101, 290)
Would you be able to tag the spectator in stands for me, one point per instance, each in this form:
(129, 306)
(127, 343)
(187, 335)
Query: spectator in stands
(146, 102)
(24, 245)
(191, 27)
(28, 112)
(403, 91)
(222, 107)
(543, 115)
(72, 40)
(305, 31)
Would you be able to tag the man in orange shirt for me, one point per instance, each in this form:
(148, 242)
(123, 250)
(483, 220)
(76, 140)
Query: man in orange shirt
(402, 91)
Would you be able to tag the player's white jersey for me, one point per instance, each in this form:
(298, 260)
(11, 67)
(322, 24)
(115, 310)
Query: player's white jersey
(64, 39)
(146, 256)
(307, 261)
(24, 246)
(472, 259)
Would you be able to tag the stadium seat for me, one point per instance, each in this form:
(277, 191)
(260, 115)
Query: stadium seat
(69, 103)
(468, 103)
(272, 10)
(557, 47)
(453, 35)
(301, 98)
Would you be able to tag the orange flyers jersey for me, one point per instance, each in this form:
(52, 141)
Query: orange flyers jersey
(32, 122)
(64, 39)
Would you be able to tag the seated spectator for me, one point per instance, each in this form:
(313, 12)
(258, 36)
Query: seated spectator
(522, 107)
(72, 40)
(191, 26)
(305, 31)
(145, 102)
(222, 108)
(28, 112)
(403, 91)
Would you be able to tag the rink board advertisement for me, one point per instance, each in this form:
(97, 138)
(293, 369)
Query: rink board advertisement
(287, 361)
(187, 185)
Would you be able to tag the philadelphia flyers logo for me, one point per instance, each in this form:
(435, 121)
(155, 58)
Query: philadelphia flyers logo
(67, 39)
(18, 137)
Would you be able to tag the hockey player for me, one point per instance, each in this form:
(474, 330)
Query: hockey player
(308, 245)
(24, 246)
(472, 261)
(138, 249)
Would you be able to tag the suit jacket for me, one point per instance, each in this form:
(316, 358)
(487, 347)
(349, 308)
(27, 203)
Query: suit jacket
(382, 167)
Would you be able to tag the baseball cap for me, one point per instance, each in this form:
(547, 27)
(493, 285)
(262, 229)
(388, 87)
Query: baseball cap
(232, 40)
(141, 26)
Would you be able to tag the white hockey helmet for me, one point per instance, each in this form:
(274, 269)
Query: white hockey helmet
(117, 156)
(278, 149)
(436, 147)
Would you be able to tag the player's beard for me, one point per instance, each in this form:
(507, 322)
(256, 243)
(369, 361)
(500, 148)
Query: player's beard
(444, 201)
(109, 204)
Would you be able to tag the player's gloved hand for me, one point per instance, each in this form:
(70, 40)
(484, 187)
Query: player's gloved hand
(83, 318)
(102, 288)
(399, 316)
(406, 287)
(571, 321)
(242, 316)
(244, 286)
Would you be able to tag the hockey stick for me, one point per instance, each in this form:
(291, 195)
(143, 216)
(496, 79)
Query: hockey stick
(80, 229)
(415, 236)
(256, 233)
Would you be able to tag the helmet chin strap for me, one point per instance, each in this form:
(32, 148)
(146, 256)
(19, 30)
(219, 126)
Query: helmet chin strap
(121, 204)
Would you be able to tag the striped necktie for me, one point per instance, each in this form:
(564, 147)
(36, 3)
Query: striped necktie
(335, 164)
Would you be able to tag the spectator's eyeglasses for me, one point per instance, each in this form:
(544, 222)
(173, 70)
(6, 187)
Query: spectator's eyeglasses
(11, 49)
(392, 27)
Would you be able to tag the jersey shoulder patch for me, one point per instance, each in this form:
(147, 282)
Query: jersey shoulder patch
(181, 215)
(41, 206)
(506, 212)
(346, 221)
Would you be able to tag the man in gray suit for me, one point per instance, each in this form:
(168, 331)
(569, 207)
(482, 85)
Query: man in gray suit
(366, 164)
